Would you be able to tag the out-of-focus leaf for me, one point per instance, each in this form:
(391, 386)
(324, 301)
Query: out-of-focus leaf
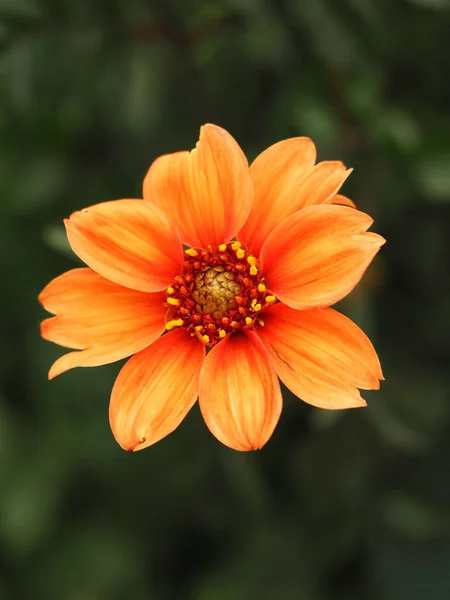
(432, 4)
(19, 8)
(401, 128)
(406, 514)
(315, 119)
(93, 562)
(433, 177)
(29, 503)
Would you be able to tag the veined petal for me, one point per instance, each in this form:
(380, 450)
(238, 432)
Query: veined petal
(207, 192)
(129, 242)
(290, 184)
(277, 175)
(104, 320)
(318, 255)
(342, 200)
(323, 182)
(155, 390)
(320, 355)
(240, 396)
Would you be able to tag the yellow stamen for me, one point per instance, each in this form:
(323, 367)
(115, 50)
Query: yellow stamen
(175, 323)
(261, 287)
(255, 305)
(205, 338)
(173, 301)
(251, 260)
(248, 320)
(222, 333)
(234, 324)
(270, 298)
(191, 252)
(199, 327)
(222, 247)
(236, 245)
(170, 290)
(240, 253)
(253, 270)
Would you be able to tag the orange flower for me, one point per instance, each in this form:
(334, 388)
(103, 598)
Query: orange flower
(267, 250)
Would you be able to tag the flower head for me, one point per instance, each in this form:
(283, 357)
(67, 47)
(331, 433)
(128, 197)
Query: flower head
(218, 283)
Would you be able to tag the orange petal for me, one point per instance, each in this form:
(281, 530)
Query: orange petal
(155, 390)
(240, 396)
(277, 175)
(286, 183)
(207, 192)
(342, 200)
(323, 183)
(320, 355)
(104, 320)
(129, 242)
(318, 255)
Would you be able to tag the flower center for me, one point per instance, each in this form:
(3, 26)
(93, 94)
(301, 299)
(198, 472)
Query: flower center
(217, 291)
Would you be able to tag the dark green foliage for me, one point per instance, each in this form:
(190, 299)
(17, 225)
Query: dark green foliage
(338, 506)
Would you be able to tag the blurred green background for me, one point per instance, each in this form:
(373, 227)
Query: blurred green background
(339, 505)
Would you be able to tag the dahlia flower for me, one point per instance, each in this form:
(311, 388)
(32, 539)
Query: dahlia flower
(218, 283)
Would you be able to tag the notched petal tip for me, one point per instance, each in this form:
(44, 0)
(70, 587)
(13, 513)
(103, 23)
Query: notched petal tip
(321, 356)
(103, 321)
(240, 396)
(325, 251)
(278, 174)
(207, 192)
(342, 201)
(142, 444)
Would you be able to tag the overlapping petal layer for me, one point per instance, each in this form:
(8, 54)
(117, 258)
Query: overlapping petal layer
(318, 255)
(105, 321)
(286, 180)
(240, 397)
(277, 175)
(342, 200)
(155, 390)
(129, 242)
(320, 355)
(207, 193)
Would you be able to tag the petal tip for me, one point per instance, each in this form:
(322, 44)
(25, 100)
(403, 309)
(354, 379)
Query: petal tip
(137, 448)
(43, 328)
(356, 402)
(42, 296)
(53, 372)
